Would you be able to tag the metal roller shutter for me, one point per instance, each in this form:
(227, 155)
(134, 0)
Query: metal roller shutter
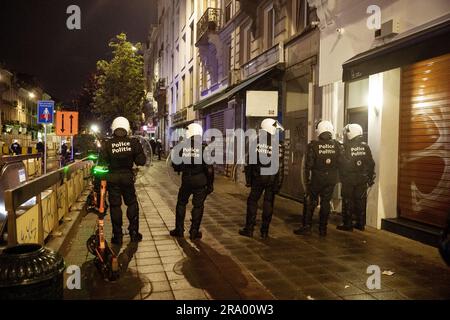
(424, 146)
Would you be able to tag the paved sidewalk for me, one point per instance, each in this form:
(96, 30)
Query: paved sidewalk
(161, 267)
(224, 265)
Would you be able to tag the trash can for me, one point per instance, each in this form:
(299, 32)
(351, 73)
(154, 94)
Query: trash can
(31, 272)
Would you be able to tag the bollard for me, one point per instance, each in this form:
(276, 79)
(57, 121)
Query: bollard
(31, 272)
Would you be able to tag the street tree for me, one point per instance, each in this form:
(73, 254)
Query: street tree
(120, 83)
(84, 103)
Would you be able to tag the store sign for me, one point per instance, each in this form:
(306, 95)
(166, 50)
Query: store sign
(262, 104)
(180, 116)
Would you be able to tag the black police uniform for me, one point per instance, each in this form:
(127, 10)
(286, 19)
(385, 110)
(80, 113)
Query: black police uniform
(357, 171)
(321, 172)
(259, 183)
(120, 153)
(16, 148)
(197, 180)
(40, 147)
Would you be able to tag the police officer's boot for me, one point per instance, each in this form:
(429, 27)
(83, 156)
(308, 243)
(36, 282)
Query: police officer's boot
(133, 218)
(305, 230)
(250, 220)
(323, 222)
(195, 235)
(266, 217)
(346, 217)
(360, 222)
(117, 239)
(246, 232)
(135, 237)
(361, 215)
(179, 221)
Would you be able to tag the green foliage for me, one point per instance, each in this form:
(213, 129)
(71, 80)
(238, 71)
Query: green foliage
(120, 83)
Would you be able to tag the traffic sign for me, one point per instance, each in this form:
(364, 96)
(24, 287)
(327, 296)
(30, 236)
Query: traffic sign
(45, 111)
(66, 123)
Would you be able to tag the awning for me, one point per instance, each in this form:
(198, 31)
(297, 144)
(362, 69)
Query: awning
(230, 92)
(422, 43)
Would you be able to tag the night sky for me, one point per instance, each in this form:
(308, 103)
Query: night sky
(34, 38)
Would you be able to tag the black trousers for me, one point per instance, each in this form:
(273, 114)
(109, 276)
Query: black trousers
(121, 185)
(354, 200)
(260, 185)
(324, 191)
(194, 185)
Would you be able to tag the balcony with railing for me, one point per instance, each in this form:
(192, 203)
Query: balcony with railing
(179, 117)
(264, 61)
(159, 88)
(210, 22)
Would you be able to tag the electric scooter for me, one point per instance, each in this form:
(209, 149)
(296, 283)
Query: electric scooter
(106, 260)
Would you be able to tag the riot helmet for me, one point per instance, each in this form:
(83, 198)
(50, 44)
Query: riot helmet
(194, 129)
(324, 127)
(271, 126)
(353, 130)
(120, 126)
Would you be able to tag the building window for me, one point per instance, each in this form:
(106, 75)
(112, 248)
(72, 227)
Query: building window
(248, 43)
(177, 60)
(183, 51)
(228, 10)
(270, 28)
(245, 45)
(204, 77)
(191, 86)
(192, 7)
(177, 101)
(172, 71)
(183, 97)
(192, 49)
(172, 97)
(357, 101)
(299, 16)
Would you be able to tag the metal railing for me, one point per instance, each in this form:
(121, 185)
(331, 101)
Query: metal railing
(32, 162)
(262, 62)
(35, 208)
(209, 22)
(179, 116)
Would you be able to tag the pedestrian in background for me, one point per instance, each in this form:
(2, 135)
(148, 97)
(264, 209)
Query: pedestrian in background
(158, 148)
(153, 145)
(40, 147)
(321, 175)
(63, 153)
(357, 172)
(16, 148)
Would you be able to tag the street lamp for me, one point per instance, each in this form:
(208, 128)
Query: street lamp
(95, 128)
(134, 48)
(31, 95)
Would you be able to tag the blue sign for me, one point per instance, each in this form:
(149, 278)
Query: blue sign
(45, 112)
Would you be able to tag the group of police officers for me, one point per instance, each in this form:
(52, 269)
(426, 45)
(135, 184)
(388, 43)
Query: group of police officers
(327, 162)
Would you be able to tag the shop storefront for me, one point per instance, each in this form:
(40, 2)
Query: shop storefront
(400, 94)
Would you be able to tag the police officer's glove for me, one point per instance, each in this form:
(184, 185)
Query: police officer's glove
(209, 189)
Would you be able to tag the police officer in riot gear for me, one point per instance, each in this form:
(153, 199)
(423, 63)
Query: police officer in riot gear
(197, 180)
(260, 181)
(321, 175)
(357, 172)
(16, 148)
(120, 153)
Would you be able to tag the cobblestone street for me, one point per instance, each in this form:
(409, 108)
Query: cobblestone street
(224, 265)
